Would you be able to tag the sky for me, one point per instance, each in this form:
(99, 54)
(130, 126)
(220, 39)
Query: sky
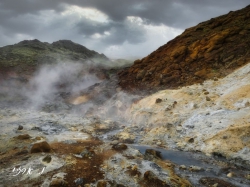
(117, 28)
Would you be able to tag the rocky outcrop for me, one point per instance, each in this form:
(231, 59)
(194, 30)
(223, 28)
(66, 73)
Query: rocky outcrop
(209, 50)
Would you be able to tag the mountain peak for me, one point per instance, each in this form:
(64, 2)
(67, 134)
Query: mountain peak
(30, 41)
(27, 55)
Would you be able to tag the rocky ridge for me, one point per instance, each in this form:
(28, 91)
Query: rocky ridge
(210, 50)
(25, 57)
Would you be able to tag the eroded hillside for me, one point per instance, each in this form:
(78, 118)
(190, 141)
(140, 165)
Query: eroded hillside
(210, 50)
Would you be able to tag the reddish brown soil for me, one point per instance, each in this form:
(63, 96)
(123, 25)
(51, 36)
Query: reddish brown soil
(86, 168)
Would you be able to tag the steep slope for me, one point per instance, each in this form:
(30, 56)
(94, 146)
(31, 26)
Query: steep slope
(26, 56)
(209, 50)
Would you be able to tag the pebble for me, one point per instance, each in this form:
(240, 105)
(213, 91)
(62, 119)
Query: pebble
(73, 129)
(158, 100)
(47, 159)
(23, 137)
(195, 168)
(87, 153)
(178, 128)
(151, 153)
(248, 176)
(79, 181)
(102, 183)
(230, 175)
(247, 104)
(158, 143)
(20, 127)
(115, 142)
(208, 98)
(58, 182)
(183, 167)
(119, 147)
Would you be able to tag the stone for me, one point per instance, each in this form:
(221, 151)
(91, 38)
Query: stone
(158, 100)
(23, 137)
(191, 140)
(20, 127)
(58, 180)
(183, 167)
(40, 147)
(247, 104)
(149, 175)
(58, 183)
(158, 143)
(152, 180)
(102, 183)
(179, 128)
(47, 159)
(195, 168)
(119, 147)
(79, 181)
(248, 176)
(86, 153)
(230, 175)
(208, 98)
(209, 181)
(115, 142)
(152, 154)
(128, 140)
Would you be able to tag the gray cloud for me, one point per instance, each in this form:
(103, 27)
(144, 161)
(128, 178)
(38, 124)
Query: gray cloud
(119, 31)
(45, 20)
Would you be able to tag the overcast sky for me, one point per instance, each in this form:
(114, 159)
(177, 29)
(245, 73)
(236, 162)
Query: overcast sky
(117, 28)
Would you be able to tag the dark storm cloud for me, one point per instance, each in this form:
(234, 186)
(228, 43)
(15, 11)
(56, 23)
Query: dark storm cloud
(88, 27)
(169, 12)
(28, 6)
(178, 13)
(119, 32)
(122, 32)
(24, 19)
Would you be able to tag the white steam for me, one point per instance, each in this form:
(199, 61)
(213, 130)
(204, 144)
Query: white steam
(61, 77)
(71, 87)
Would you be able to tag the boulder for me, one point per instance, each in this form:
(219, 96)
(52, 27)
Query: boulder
(40, 147)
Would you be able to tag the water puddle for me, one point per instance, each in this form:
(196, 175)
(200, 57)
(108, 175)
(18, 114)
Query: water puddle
(198, 165)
